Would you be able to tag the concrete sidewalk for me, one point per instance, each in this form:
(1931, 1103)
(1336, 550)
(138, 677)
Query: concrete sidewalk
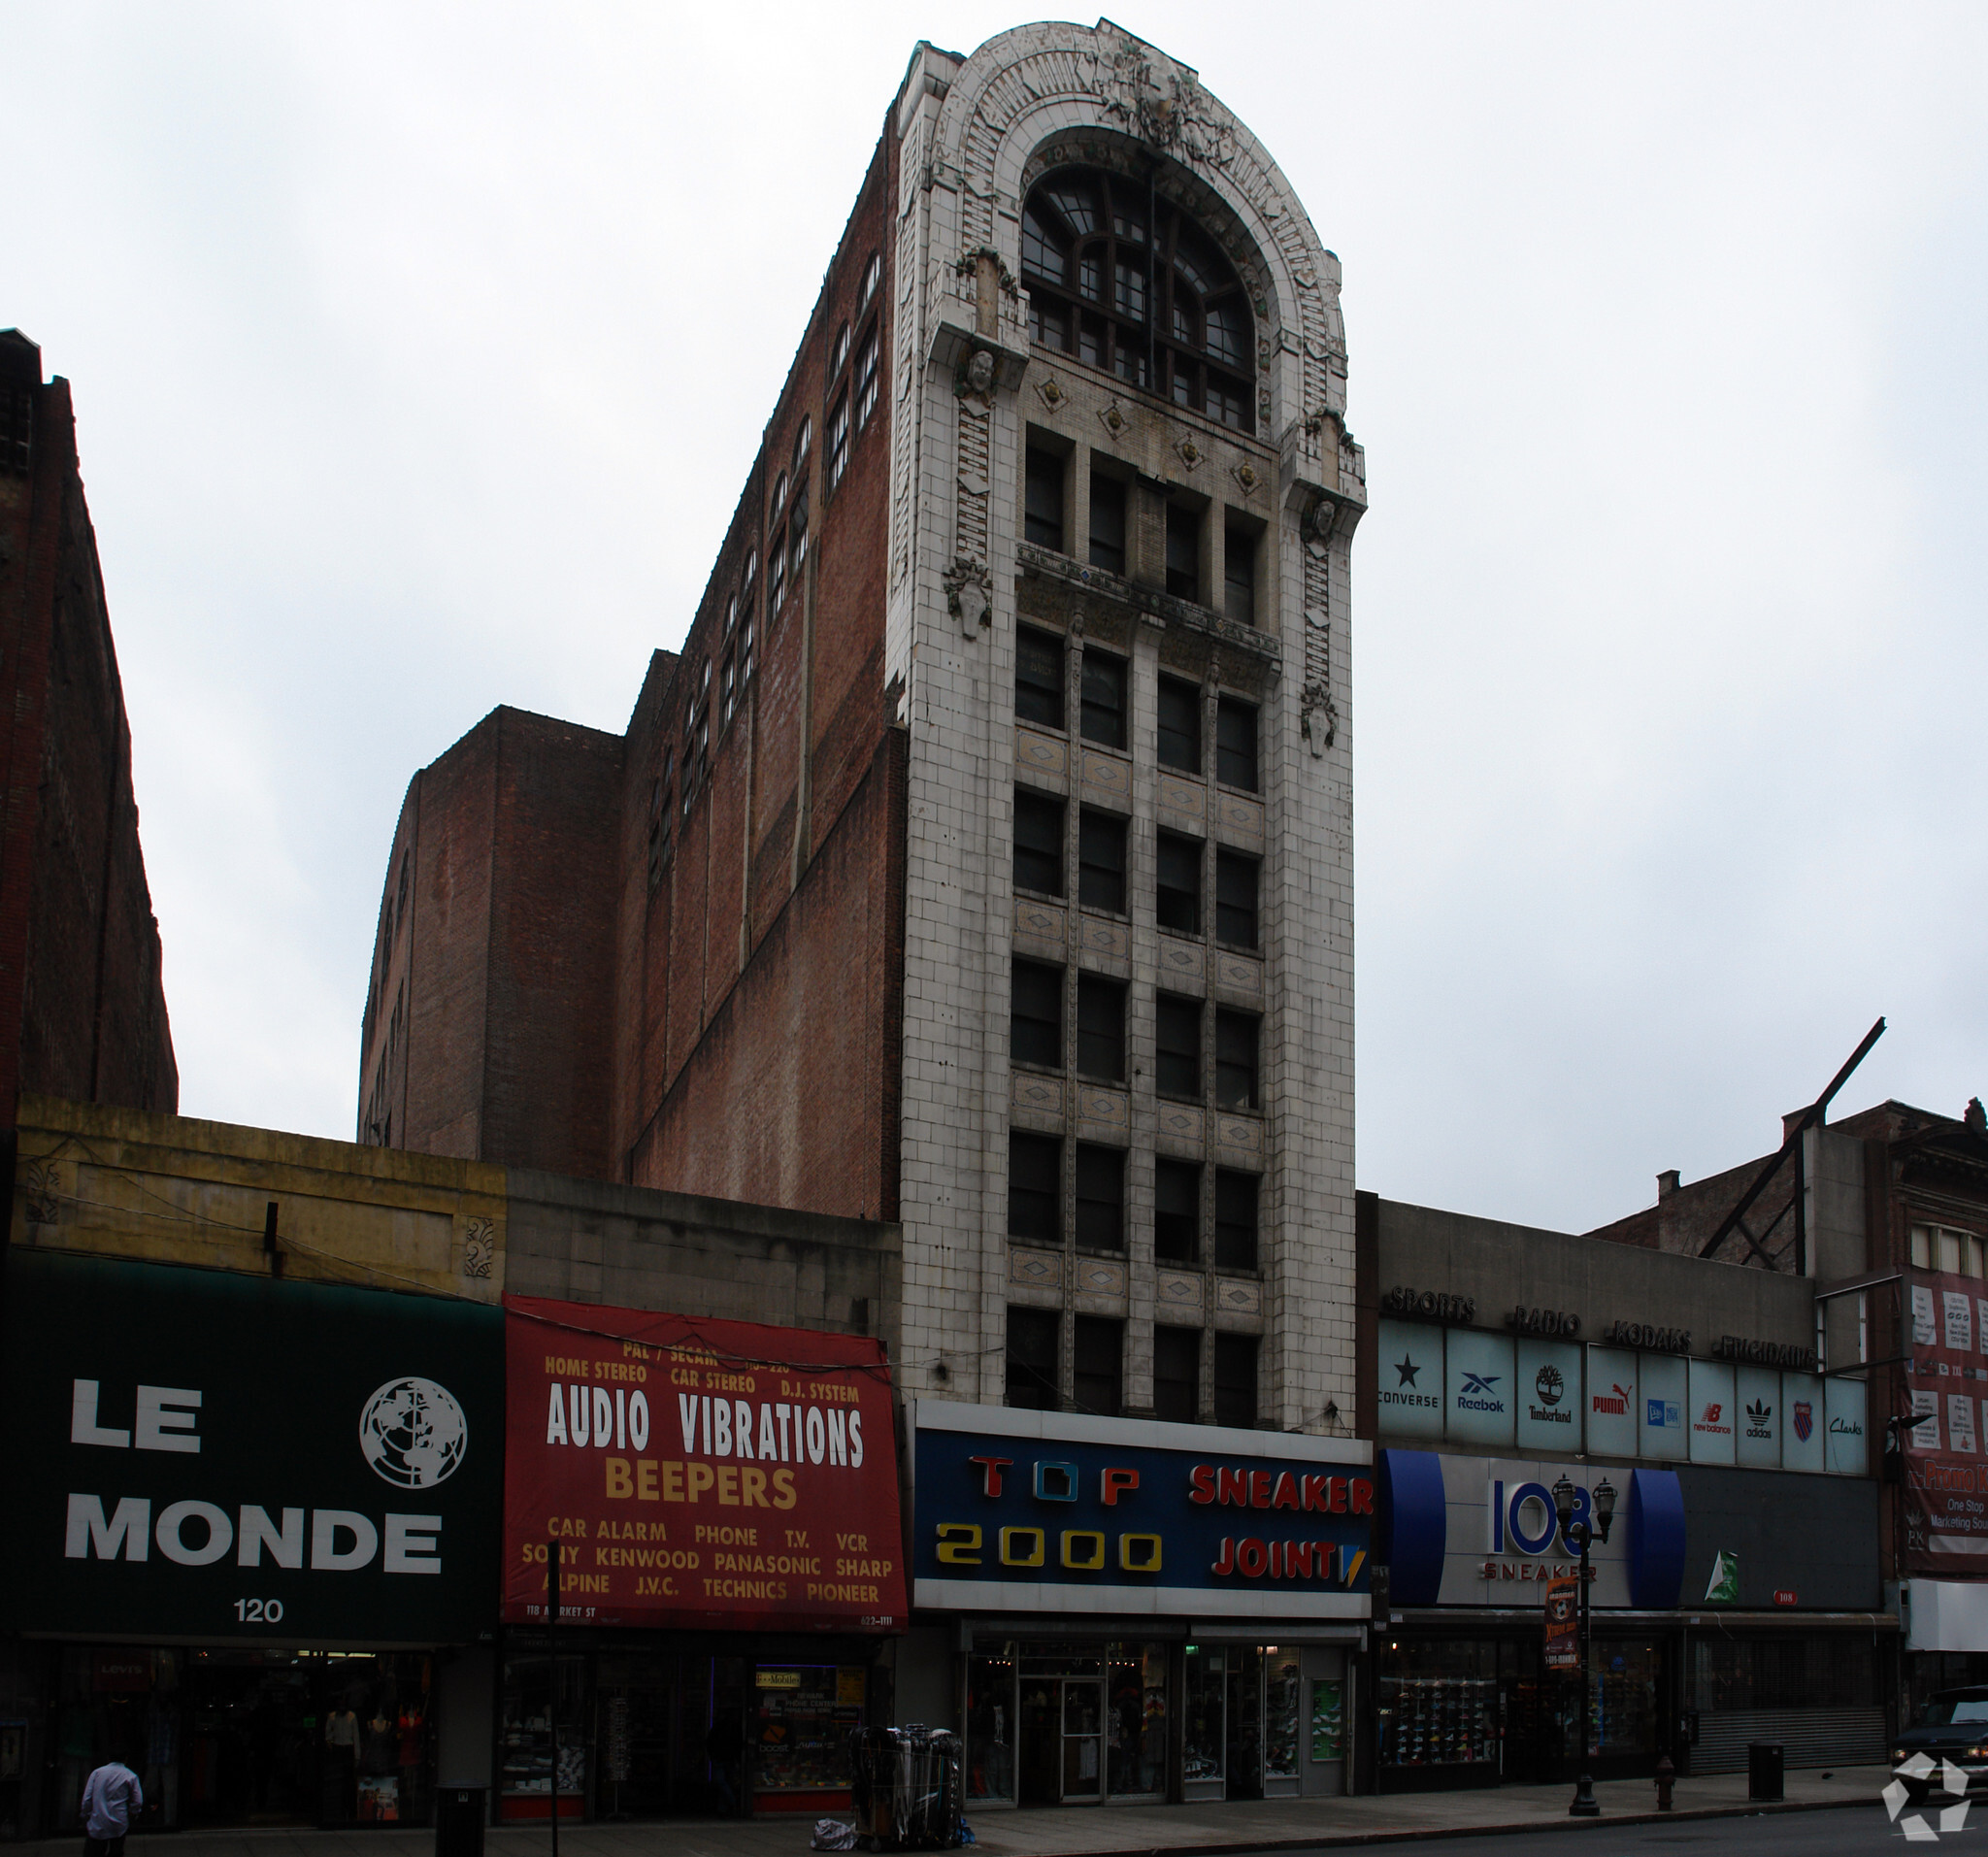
(1122, 1831)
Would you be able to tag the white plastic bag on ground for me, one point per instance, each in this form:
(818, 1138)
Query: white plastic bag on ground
(831, 1833)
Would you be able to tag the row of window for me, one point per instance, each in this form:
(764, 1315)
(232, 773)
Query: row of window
(1035, 1203)
(1035, 1036)
(1044, 524)
(1101, 866)
(1097, 1380)
(1940, 1247)
(1105, 707)
(786, 556)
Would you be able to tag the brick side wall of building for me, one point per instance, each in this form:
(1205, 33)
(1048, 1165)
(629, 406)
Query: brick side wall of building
(83, 1010)
(789, 1097)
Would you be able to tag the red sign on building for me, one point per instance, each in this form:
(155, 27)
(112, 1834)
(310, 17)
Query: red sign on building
(698, 1473)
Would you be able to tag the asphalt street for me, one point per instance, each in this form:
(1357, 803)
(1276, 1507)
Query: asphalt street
(1849, 1829)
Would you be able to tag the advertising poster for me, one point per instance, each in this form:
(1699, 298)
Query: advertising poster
(1328, 1718)
(1563, 1623)
(1945, 1379)
(210, 1456)
(698, 1473)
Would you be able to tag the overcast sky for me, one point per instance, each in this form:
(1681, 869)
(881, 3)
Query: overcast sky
(419, 352)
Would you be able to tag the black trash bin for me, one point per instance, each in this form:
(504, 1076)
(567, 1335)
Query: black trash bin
(459, 1814)
(1764, 1761)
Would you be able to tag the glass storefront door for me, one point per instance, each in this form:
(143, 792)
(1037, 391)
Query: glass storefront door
(1084, 1710)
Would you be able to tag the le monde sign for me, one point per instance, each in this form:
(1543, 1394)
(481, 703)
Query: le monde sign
(211, 1455)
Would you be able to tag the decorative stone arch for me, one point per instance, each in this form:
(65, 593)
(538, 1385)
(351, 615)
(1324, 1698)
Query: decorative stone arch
(1040, 93)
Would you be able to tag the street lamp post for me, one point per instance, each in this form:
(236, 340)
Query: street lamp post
(1579, 1534)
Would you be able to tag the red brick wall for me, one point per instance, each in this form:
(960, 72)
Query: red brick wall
(83, 1010)
(723, 1017)
(506, 949)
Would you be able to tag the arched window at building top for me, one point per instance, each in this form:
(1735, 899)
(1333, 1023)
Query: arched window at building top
(1155, 304)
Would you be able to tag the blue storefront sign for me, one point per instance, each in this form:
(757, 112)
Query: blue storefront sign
(1482, 1531)
(1055, 1513)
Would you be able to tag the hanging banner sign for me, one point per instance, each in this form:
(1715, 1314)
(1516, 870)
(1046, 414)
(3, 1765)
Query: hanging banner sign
(698, 1473)
(1563, 1623)
(1945, 1468)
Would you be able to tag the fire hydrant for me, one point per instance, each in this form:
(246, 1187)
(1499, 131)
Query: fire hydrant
(1667, 1773)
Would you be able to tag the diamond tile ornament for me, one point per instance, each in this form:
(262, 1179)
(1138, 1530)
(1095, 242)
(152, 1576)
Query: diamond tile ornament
(1895, 1798)
(1952, 1779)
(1917, 1768)
(1954, 1818)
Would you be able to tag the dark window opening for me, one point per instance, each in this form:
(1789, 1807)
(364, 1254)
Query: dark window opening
(1102, 708)
(1177, 1211)
(1176, 1375)
(1235, 1085)
(1099, 1197)
(1134, 293)
(1100, 1029)
(1033, 1343)
(1037, 843)
(1180, 725)
(1235, 744)
(838, 443)
(1176, 1068)
(866, 380)
(1098, 1380)
(1100, 861)
(1183, 552)
(1039, 677)
(1239, 577)
(1235, 1378)
(1035, 1187)
(1035, 1014)
(1236, 1196)
(1176, 891)
(1236, 886)
(1107, 523)
(1042, 500)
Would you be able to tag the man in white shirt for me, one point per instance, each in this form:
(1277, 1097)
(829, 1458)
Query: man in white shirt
(109, 1797)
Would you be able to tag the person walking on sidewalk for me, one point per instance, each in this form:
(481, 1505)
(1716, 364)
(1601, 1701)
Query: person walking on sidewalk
(109, 1797)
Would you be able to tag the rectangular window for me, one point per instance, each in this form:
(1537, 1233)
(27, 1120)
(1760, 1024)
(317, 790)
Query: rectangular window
(1177, 1211)
(1034, 1341)
(1107, 523)
(1183, 552)
(1097, 1381)
(1176, 1375)
(1100, 1029)
(1103, 707)
(776, 574)
(1042, 500)
(1235, 1220)
(866, 380)
(1235, 1085)
(1176, 890)
(1100, 861)
(1177, 1040)
(1037, 843)
(1235, 744)
(1035, 1015)
(1239, 575)
(838, 443)
(1039, 677)
(1099, 1197)
(1922, 1247)
(1035, 1187)
(1180, 725)
(1236, 880)
(1235, 1380)
(1048, 323)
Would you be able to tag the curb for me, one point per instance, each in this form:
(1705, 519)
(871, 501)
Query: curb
(1505, 1827)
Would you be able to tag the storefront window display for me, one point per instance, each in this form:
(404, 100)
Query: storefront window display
(1785, 1670)
(1204, 1707)
(1622, 1681)
(1438, 1704)
(535, 1690)
(1282, 1686)
(990, 1728)
(799, 1736)
(1137, 1685)
(229, 1737)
